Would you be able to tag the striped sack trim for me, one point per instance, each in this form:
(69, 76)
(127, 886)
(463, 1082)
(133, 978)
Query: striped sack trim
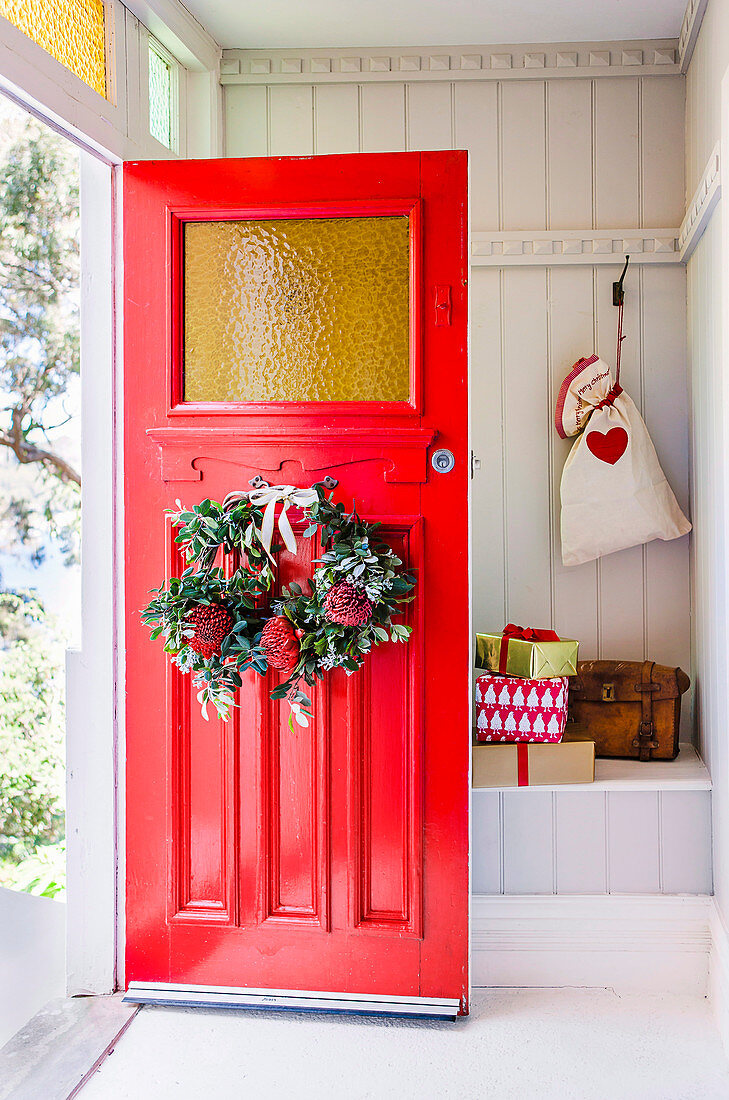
(562, 396)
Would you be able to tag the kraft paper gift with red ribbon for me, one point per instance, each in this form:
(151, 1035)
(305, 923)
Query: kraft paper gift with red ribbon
(572, 761)
(532, 653)
(614, 492)
(513, 708)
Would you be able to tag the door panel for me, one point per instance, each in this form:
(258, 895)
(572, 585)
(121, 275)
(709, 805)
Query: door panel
(334, 857)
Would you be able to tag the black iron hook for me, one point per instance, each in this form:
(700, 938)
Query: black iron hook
(618, 289)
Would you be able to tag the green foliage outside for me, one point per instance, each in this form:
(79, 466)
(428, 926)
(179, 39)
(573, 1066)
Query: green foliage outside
(39, 335)
(39, 484)
(32, 734)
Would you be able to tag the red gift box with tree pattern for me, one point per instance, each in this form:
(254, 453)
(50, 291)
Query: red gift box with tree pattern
(510, 708)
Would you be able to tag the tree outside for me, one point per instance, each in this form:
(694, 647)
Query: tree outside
(39, 490)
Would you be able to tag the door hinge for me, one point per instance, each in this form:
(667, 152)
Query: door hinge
(443, 305)
(475, 464)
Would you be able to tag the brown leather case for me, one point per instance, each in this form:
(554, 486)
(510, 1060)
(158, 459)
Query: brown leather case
(630, 709)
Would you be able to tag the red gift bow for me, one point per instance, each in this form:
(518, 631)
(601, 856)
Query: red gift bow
(528, 634)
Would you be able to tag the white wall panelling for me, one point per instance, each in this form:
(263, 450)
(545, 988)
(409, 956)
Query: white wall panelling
(591, 842)
(591, 165)
(92, 750)
(707, 129)
(382, 118)
(685, 842)
(516, 514)
(527, 842)
(707, 545)
(637, 829)
(336, 119)
(703, 91)
(31, 957)
(429, 116)
(630, 944)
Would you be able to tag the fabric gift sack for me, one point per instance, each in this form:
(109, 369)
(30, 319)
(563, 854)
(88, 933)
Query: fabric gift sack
(614, 492)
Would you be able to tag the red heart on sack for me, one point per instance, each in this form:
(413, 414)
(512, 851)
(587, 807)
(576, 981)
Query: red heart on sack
(608, 446)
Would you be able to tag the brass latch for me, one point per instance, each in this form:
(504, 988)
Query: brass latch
(608, 693)
(646, 738)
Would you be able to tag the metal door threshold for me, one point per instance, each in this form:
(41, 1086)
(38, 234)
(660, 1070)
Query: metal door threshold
(296, 1000)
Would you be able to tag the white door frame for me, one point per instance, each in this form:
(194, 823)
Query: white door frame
(107, 133)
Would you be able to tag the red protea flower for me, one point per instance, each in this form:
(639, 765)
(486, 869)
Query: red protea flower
(347, 605)
(280, 644)
(212, 623)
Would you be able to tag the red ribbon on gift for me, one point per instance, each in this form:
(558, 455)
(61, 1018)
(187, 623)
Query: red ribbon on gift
(522, 764)
(527, 634)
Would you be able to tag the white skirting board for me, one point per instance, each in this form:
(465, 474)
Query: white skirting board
(632, 943)
(719, 974)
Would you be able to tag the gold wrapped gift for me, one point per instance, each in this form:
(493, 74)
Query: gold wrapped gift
(532, 654)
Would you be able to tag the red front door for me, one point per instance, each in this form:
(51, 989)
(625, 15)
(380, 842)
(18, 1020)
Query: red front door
(333, 858)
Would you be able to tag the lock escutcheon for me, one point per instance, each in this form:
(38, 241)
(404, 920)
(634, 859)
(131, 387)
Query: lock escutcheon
(443, 460)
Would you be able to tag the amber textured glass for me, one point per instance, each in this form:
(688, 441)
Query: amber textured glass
(313, 309)
(72, 31)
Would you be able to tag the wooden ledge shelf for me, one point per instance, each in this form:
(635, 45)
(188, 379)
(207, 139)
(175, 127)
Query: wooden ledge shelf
(686, 773)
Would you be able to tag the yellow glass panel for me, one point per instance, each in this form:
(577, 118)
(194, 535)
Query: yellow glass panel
(72, 31)
(313, 309)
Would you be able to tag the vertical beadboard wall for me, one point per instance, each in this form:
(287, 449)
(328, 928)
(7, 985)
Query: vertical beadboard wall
(555, 153)
(545, 154)
(707, 289)
(590, 842)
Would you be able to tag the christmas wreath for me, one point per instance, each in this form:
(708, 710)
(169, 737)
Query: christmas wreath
(218, 622)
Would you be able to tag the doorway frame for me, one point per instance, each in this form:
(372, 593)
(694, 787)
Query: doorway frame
(106, 132)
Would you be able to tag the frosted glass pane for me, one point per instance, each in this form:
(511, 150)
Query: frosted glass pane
(72, 31)
(312, 309)
(160, 98)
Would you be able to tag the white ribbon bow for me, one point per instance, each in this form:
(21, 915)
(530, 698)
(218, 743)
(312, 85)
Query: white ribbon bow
(270, 496)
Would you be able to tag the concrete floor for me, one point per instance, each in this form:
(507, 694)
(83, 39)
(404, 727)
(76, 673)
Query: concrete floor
(546, 1044)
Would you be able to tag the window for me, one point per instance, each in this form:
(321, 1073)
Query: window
(72, 31)
(162, 95)
(297, 309)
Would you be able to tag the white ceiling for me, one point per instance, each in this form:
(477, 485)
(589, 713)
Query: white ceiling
(245, 24)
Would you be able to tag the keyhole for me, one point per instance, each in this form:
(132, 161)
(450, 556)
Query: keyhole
(443, 460)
